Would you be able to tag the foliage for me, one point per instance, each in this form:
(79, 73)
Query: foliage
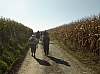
(3, 67)
(13, 40)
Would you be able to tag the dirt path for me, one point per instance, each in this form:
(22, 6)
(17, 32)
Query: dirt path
(59, 62)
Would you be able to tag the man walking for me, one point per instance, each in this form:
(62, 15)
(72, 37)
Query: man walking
(33, 44)
(38, 35)
(46, 41)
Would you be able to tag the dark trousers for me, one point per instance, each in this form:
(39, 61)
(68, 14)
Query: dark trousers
(33, 48)
(46, 48)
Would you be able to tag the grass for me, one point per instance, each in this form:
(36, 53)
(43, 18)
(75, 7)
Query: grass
(87, 58)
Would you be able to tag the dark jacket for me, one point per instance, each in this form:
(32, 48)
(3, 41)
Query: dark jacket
(38, 34)
(46, 39)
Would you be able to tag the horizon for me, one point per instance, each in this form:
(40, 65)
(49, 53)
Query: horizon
(47, 14)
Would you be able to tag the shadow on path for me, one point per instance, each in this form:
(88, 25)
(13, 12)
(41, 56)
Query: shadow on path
(59, 61)
(42, 62)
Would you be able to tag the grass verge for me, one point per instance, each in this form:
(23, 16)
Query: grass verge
(87, 58)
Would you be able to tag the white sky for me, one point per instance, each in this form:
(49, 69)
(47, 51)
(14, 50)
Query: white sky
(47, 14)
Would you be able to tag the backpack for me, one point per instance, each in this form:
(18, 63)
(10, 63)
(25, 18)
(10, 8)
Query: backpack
(46, 39)
(33, 40)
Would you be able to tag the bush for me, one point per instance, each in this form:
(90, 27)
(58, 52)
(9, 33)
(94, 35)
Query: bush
(3, 67)
(13, 39)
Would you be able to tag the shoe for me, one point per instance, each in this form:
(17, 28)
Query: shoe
(47, 55)
(34, 56)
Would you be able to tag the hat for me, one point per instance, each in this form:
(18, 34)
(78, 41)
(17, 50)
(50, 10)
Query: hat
(33, 35)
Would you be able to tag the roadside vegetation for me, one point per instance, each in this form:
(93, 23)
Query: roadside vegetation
(13, 40)
(81, 39)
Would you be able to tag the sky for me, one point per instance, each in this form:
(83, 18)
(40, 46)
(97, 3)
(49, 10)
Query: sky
(46, 14)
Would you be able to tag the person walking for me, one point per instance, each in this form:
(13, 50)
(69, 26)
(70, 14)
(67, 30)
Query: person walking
(46, 41)
(33, 44)
(38, 35)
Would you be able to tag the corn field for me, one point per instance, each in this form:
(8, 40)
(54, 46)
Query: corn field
(83, 33)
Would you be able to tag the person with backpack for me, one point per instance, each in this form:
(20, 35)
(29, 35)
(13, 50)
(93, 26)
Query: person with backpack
(33, 44)
(46, 41)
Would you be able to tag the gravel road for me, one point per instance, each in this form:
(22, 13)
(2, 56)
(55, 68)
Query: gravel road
(58, 62)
